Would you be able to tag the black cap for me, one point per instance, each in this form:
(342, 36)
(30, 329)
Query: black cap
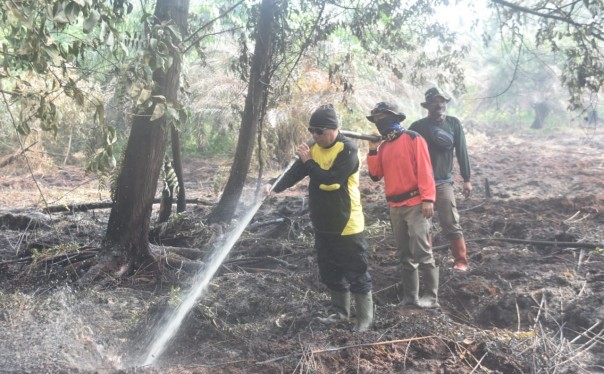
(386, 108)
(324, 116)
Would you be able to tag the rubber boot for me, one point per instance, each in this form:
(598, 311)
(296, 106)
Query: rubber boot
(429, 298)
(460, 255)
(364, 306)
(340, 308)
(410, 279)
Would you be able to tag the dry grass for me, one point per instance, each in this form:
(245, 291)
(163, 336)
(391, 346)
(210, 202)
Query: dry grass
(42, 182)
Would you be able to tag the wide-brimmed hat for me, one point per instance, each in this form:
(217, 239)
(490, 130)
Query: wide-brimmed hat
(386, 108)
(431, 94)
(325, 117)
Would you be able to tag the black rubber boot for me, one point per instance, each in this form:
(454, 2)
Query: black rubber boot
(429, 298)
(340, 308)
(410, 281)
(364, 306)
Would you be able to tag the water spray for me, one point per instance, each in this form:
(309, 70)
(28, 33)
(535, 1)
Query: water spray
(202, 279)
(164, 334)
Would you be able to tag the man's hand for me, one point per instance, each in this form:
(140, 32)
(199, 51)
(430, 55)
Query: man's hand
(373, 146)
(303, 152)
(467, 189)
(427, 209)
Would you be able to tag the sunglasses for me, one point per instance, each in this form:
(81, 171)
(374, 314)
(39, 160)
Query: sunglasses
(316, 130)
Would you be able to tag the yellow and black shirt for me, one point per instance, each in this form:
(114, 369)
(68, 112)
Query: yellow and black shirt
(334, 197)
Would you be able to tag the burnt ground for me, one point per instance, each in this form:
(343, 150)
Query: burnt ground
(531, 303)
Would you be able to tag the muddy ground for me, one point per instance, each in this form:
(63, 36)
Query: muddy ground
(532, 301)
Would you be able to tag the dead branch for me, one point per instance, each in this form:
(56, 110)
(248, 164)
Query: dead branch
(106, 205)
(6, 160)
(255, 225)
(189, 253)
(535, 242)
(261, 270)
(187, 266)
(80, 255)
(256, 259)
(375, 344)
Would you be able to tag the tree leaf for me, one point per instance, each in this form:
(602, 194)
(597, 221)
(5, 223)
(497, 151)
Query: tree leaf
(144, 96)
(111, 136)
(60, 17)
(72, 11)
(91, 21)
(158, 112)
(99, 113)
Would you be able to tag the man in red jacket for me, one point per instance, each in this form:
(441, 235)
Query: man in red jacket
(402, 159)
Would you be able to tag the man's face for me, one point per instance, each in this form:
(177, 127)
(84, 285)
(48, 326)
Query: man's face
(437, 107)
(322, 136)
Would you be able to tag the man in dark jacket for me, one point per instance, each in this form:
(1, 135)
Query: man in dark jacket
(402, 160)
(446, 139)
(332, 163)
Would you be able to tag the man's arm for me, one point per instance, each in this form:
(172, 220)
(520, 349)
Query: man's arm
(374, 163)
(463, 158)
(292, 176)
(337, 175)
(425, 175)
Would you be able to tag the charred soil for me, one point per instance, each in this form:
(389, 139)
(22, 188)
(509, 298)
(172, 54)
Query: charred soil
(532, 301)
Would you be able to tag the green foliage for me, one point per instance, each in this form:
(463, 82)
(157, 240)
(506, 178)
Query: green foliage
(170, 179)
(573, 30)
(104, 158)
(174, 296)
(208, 139)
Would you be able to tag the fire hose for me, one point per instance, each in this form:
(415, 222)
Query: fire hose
(358, 135)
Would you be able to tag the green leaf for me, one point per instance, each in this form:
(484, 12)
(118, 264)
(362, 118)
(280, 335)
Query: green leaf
(111, 136)
(172, 115)
(144, 96)
(91, 21)
(99, 113)
(158, 112)
(112, 162)
(72, 11)
(60, 17)
(175, 32)
(23, 128)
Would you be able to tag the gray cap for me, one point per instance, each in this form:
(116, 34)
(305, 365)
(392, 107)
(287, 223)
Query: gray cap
(431, 94)
(386, 108)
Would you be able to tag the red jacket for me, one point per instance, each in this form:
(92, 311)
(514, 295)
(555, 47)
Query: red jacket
(404, 163)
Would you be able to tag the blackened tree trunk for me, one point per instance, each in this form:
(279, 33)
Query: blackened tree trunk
(181, 198)
(255, 105)
(542, 110)
(128, 227)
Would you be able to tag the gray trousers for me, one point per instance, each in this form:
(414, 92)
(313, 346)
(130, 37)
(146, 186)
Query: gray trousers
(446, 207)
(412, 234)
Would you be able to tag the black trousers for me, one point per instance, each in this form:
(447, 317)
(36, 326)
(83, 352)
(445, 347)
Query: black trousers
(343, 262)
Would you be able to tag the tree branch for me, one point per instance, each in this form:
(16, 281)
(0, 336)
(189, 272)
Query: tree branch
(210, 22)
(565, 19)
(535, 242)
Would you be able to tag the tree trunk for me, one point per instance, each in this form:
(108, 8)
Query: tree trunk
(542, 110)
(181, 198)
(128, 226)
(167, 196)
(254, 107)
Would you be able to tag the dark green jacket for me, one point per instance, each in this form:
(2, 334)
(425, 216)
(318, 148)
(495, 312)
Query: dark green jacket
(334, 196)
(442, 161)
